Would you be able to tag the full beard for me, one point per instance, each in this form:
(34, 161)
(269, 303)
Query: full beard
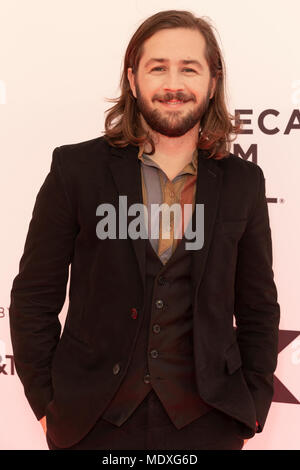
(172, 125)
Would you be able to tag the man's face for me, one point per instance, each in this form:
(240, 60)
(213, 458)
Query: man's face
(158, 84)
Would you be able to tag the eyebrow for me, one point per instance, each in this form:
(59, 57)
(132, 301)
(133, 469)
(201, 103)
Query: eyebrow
(185, 62)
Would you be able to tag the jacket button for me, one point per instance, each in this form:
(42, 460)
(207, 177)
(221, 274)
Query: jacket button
(134, 313)
(159, 304)
(116, 369)
(147, 378)
(154, 353)
(156, 328)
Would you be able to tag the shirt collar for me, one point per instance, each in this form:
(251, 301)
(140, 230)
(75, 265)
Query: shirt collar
(190, 167)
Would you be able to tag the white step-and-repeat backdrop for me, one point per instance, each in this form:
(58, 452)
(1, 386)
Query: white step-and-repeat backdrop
(59, 61)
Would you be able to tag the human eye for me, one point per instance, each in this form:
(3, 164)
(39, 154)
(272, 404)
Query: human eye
(161, 68)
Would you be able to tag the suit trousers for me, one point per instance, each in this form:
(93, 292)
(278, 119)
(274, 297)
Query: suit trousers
(150, 428)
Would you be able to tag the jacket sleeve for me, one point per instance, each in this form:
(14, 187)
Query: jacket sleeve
(39, 289)
(257, 312)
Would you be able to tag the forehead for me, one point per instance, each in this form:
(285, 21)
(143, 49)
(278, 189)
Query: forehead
(175, 44)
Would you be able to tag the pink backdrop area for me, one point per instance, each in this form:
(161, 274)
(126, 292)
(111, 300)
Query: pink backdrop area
(59, 61)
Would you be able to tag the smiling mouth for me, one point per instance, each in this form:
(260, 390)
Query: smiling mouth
(172, 102)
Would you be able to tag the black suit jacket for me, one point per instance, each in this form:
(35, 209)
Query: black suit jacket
(72, 378)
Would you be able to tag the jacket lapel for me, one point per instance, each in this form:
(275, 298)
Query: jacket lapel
(125, 168)
(209, 183)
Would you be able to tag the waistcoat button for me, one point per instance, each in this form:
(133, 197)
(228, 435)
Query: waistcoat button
(154, 353)
(159, 304)
(116, 369)
(147, 378)
(156, 328)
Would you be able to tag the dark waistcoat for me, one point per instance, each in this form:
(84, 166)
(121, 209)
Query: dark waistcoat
(163, 355)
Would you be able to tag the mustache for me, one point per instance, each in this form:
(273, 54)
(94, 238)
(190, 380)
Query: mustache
(171, 96)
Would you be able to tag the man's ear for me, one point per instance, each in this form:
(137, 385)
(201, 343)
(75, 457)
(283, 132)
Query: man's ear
(131, 80)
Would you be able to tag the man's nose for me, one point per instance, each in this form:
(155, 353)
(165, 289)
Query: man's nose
(173, 82)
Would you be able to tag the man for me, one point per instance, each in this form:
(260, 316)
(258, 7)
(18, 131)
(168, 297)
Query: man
(149, 357)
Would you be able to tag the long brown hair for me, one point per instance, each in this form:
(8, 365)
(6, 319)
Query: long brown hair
(122, 123)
